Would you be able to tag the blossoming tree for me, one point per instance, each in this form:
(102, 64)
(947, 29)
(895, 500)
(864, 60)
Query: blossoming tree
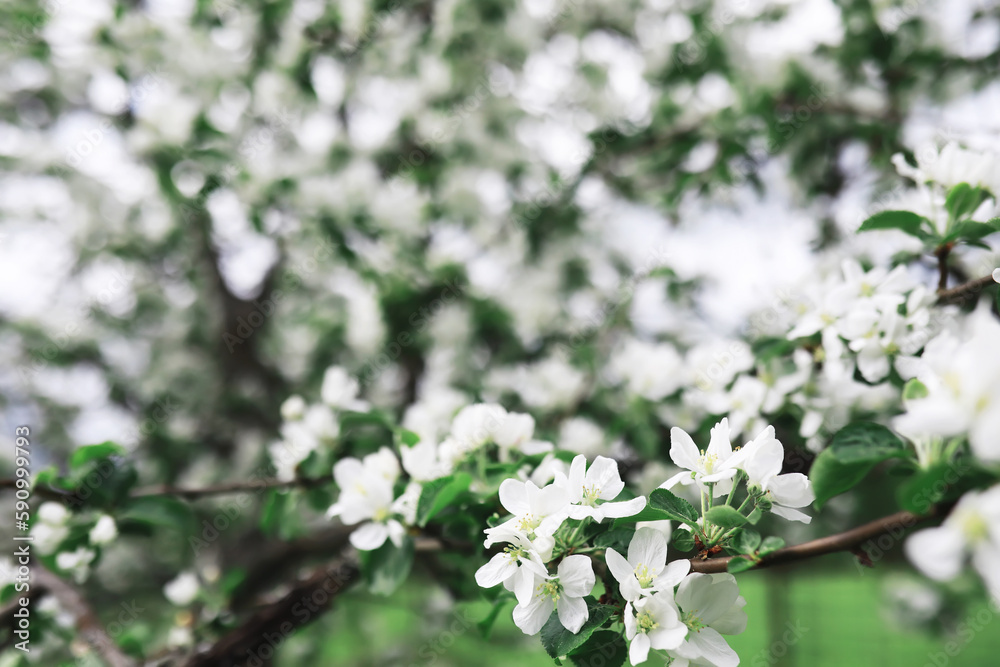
(582, 309)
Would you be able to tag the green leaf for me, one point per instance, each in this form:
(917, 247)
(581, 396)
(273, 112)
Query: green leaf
(970, 231)
(927, 487)
(436, 495)
(963, 199)
(755, 516)
(94, 452)
(747, 541)
(387, 567)
(616, 538)
(160, 511)
(648, 513)
(914, 388)
(605, 648)
(273, 511)
(905, 221)
(740, 564)
(830, 477)
(349, 419)
(725, 516)
(559, 641)
(682, 539)
(770, 545)
(678, 509)
(408, 438)
(865, 442)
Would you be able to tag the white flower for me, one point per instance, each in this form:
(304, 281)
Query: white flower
(652, 371)
(646, 571)
(949, 167)
(183, 589)
(514, 431)
(962, 376)
(76, 562)
(104, 530)
(340, 390)
(996, 275)
(601, 481)
(366, 493)
(761, 459)
(52, 513)
(564, 592)
(477, 424)
(711, 606)
(653, 622)
(50, 528)
(580, 435)
(705, 466)
(538, 513)
(972, 528)
(293, 408)
(519, 563)
(423, 461)
(548, 469)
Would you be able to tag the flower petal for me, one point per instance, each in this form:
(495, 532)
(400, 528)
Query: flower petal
(369, 536)
(576, 575)
(683, 451)
(638, 651)
(573, 612)
(499, 569)
(648, 547)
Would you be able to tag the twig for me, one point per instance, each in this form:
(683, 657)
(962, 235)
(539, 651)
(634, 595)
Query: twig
(973, 287)
(942, 256)
(231, 487)
(88, 625)
(846, 541)
(276, 622)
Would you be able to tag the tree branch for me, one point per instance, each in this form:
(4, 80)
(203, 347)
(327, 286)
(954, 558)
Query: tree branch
(88, 625)
(849, 540)
(262, 634)
(973, 287)
(231, 487)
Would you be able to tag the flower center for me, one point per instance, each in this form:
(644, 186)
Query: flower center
(590, 495)
(645, 622)
(691, 620)
(708, 461)
(644, 576)
(550, 589)
(974, 527)
(528, 523)
(514, 553)
(381, 514)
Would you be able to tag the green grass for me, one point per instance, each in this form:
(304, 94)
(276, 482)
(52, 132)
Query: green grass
(831, 619)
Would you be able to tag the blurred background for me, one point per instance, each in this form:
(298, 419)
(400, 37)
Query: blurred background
(206, 203)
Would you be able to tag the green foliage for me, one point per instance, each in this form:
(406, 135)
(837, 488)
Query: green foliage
(438, 494)
(604, 647)
(904, 221)
(558, 641)
(673, 507)
(387, 567)
(725, 516)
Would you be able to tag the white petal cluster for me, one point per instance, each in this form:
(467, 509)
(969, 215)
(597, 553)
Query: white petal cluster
(688, 624)
(971, 532)
(537, 514)
(759, 461)
(367, 496)
(961, 372)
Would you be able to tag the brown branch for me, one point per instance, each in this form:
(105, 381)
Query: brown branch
(231, 487)
(942, 256)
(973, 287)
(849, 540)
(88, 625)
(262, 634)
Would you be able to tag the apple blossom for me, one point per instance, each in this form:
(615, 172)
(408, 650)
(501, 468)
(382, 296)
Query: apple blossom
(645, 571)
(563, 592)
